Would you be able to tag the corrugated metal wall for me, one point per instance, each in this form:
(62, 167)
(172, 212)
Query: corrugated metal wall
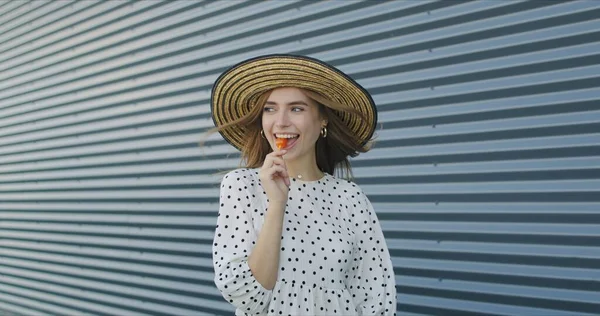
(486, 174)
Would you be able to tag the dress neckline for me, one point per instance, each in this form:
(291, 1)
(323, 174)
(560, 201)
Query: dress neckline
(322, 179)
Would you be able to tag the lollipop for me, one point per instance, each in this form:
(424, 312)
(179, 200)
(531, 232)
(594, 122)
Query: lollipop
(281, 143)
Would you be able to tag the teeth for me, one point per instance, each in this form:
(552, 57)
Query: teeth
(286, 135)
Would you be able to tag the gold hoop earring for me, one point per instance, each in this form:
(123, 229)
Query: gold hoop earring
(262, 134)
(324, 132)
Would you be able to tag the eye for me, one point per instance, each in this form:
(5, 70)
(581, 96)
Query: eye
(268, 109)
(297, 109)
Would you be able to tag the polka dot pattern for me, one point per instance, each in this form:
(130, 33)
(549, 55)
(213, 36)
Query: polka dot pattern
(333, 260)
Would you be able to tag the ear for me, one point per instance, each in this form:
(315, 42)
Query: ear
(324, 124)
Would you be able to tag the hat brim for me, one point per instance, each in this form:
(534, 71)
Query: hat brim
(236, 91)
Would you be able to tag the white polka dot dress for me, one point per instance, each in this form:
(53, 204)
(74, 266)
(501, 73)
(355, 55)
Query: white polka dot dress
(333, 259)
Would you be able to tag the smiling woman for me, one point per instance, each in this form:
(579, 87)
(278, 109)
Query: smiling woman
(291, 237)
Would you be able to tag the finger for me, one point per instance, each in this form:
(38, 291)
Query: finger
(278, 171)
(275, 154)
(269, 161)
(278, 153)
(278, 161)
(273, 160)
(282, 171)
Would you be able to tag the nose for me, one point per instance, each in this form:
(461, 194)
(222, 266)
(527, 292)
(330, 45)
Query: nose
(282, 119)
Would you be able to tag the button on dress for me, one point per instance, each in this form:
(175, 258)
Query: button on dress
(333, 259)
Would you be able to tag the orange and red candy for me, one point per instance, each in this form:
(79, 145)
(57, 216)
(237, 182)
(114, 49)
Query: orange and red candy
(281, 143)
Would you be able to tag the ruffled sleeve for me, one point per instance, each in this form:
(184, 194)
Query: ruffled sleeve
(234, 240)
(371, 280)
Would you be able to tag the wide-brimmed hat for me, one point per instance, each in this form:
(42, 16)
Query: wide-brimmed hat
(236, 91)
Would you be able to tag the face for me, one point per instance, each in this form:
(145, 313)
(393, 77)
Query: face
(289, 114)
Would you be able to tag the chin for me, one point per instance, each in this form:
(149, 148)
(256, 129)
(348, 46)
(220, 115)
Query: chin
(289, 156)
(292, 154)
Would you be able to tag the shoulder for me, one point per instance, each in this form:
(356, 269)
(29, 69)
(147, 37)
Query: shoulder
(346, 188)
(241, 174)
(359, 205)
(241, 177)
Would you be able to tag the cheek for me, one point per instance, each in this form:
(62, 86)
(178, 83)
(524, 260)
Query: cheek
(313, 135)
(265, 123)
(266, 130)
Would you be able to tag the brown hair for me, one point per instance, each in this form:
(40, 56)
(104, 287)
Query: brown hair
(332, 152)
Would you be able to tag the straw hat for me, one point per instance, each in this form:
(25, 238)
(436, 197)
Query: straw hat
(236, 91)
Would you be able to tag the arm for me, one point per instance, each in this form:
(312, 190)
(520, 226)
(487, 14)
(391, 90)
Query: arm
(371, 280)
(234, 240)
(264, 259)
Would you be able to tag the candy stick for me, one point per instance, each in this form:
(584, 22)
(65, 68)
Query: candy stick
(281, 143)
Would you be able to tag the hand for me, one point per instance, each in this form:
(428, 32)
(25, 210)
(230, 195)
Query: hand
(274, 177)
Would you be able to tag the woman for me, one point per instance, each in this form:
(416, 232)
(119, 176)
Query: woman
(291, 237)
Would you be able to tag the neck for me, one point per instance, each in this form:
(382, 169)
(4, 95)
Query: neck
(307, 170)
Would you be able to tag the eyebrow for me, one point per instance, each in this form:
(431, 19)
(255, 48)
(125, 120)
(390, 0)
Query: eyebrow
(291, 103)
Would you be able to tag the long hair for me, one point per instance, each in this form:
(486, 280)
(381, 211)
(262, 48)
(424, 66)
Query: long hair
(332, 152)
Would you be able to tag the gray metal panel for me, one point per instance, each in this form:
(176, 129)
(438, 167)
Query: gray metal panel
(485, 174)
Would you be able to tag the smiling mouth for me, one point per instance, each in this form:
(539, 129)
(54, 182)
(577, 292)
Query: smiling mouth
(285, 140)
